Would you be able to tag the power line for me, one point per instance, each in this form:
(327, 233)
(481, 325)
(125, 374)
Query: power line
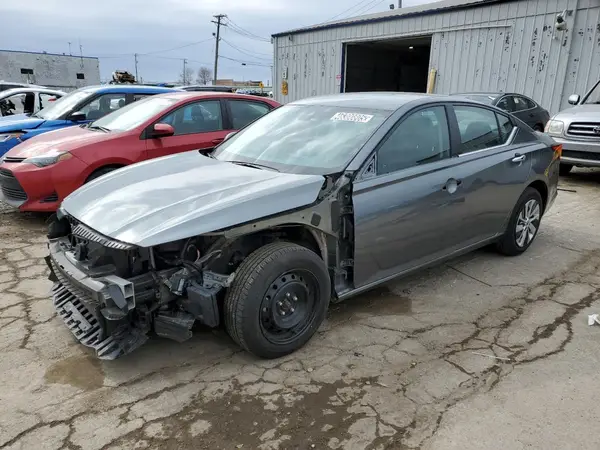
(243, 32)
(377, 3)
(347, 10)
(248, 63)
(177, 48)
(245, 52)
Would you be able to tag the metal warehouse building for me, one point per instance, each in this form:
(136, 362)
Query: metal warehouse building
(546, 49)
(57, 71)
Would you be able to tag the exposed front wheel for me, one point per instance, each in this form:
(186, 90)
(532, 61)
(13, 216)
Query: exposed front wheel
(278, 299)
(523, 225)
(565, 169)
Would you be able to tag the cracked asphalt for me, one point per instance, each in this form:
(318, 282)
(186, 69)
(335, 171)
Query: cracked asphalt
(484, 352)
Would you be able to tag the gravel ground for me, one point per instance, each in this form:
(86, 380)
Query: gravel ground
(485, 352)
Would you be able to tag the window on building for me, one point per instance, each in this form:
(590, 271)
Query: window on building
(81, 76)
(421, 138)
(26, 71)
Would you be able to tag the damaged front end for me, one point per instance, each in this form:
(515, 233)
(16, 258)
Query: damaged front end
(111, 294)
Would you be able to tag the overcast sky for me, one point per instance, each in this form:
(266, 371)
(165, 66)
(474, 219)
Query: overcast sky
(116, 29)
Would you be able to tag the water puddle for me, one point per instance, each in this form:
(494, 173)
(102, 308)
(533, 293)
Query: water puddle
(83, 372)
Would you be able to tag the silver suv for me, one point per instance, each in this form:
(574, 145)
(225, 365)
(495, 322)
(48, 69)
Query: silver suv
(578, 130)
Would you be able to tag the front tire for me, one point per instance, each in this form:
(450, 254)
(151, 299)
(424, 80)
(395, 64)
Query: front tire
(523, 225)
(278, 299)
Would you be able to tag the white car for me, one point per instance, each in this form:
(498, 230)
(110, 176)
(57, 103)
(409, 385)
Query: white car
(27, 100)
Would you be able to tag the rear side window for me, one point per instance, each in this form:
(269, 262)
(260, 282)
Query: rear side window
(481, 128)
(245, 112)
(506, 104)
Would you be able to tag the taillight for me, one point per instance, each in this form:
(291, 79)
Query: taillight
(557, 150)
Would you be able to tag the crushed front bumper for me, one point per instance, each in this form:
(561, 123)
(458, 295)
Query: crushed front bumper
(86, 306)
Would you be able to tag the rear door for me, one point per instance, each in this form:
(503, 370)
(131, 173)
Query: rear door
(198, 125)
(404, 203)
(492, 171)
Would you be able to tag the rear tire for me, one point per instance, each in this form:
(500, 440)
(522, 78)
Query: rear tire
(98, 173)
(278, 299)
(565, 169)
(539, 128)
(523, 225)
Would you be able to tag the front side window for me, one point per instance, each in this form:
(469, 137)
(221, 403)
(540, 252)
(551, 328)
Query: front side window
(244, 112)
(593, 97)
(478, 128)
(103, 105)
(421, 138)
(309, 139)
(197, 117)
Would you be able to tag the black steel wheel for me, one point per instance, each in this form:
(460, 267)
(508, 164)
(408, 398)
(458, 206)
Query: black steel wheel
(278, 299)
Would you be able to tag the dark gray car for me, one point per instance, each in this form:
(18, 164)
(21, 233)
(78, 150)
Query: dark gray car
(518, 105)
(317, 201)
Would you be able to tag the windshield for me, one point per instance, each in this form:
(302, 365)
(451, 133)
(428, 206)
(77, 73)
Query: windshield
(487, 99)
(134, 114)
(309, 139)
(63, 105)
(593, 97)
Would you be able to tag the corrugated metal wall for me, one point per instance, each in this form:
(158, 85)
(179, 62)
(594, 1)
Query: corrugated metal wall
(509, 46)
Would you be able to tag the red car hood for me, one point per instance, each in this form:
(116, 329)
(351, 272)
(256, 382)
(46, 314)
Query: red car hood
(64, 140)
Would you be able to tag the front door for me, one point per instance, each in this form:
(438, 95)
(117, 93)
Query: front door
(198, 126)
(404, 209)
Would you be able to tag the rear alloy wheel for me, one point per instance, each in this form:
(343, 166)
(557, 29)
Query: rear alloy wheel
(538, 128)
(565, 169)
(523, 225)
(278, 299)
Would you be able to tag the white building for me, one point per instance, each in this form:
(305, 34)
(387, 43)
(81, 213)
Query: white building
(446, 47)
(58, 71)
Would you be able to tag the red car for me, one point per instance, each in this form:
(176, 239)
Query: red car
(39, 173)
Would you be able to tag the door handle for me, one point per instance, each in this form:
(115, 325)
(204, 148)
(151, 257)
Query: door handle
(452, 185)
(518, 158)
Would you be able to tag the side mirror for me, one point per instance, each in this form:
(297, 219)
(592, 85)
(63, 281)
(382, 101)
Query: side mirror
(77, 116)
(229, 135)
(574, 99)
(162, 130)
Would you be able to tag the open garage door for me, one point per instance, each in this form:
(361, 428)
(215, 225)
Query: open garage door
(389, 65)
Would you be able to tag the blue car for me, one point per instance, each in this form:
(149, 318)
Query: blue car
(80, 106)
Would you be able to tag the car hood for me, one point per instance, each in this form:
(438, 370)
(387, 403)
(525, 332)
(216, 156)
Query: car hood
(19, 122)
(185, 195)
(66, 139)
(580, 113)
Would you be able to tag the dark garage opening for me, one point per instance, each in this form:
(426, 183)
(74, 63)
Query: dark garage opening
(390, 65)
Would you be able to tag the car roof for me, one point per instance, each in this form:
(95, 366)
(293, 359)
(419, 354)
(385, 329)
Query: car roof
(18, 90)
(126, 88)
(193, 95)
(386, 101)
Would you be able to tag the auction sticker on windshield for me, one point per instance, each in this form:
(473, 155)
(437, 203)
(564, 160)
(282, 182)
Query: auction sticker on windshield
(352, 117)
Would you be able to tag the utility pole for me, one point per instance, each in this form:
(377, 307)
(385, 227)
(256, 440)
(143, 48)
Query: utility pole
(184, 77)
(71, 54)
(219, 22)
(136, 72)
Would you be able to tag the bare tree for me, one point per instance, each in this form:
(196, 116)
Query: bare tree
(204, 75)
(187, 76)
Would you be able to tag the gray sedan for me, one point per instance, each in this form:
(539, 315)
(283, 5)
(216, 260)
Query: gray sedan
(316, 201)
(518, 105)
